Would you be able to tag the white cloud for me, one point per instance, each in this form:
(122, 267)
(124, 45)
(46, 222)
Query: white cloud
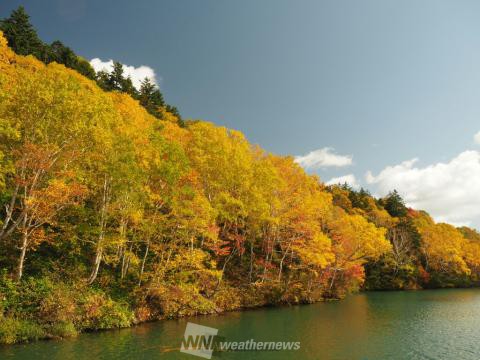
(323, 158)
(137, 74)
(450, 192)
(477, 138)
(349, 179)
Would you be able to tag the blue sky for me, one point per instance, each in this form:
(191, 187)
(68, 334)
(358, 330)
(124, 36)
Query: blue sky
(380, 82)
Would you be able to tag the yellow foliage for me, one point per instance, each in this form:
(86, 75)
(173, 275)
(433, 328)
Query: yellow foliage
(442, 244)
(355, 239)
(6, 54)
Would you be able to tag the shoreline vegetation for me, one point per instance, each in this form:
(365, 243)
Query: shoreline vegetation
(116, 211)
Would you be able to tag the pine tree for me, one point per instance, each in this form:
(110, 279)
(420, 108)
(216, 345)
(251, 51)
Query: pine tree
(151, 98)
(116, 78)
(103, 80)
(21, 35)
(62, 54)
(173, 110)
(116, 81)
(395, 205)
(84, 68)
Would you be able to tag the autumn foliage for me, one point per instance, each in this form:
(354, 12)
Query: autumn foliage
(135, 218)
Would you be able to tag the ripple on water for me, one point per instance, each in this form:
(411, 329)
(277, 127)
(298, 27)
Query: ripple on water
(437, 324)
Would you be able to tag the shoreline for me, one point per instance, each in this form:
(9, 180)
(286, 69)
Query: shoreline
(50, 337)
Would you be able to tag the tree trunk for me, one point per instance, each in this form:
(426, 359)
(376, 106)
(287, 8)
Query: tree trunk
(23, 252)
(250, 273)
(229, 257)
(96, 264)
(333, 279)
(144, 260)
(126, 261)
(5, 231)
(281, 262)
(99, 251)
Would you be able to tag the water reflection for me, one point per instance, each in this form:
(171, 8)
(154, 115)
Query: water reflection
(437, 324)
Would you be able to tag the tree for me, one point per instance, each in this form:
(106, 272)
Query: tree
(151, 98)
(355, 241)
(174, 111)
(298, 238)
(21, 35)
(117, 177)
(42, 180)
(360, 199)
(395, 205)
(442, 246)
(116, 81)
(62, 54)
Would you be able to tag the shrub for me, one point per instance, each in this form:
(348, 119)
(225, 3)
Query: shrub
(14, 330)
(8, 294)
(23, 299)
(178, 300)
(63, 330)
(8, 333)
(227, 299)
(253, 296)
(98, 311)
(58, 306)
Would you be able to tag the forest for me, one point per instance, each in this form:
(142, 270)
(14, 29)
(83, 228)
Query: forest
(115, 211)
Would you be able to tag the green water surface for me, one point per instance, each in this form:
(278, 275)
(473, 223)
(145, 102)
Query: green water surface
(433, 324)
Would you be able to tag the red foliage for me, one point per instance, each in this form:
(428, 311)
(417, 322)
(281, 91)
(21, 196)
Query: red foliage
(423, 275)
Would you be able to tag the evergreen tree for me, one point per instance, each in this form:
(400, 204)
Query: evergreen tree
(116, 81)
(151, 98)
(173, 110)
(103, 80)
(84, 68)
(21, 35)
(395, 205)
(360, 198)
(62, 54)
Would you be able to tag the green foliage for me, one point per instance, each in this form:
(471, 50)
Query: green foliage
(25, 299)
(116, 81)
(386, 274)
(58, 306)
(24, 40)
(110, 217)
(394, 204)
(151, 98)
(62, 330)
(62, 54)
(360, 199)
(15, 331)
(21, 35)
(97, 311)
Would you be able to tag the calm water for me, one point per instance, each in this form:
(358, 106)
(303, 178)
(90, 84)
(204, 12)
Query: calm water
(438, 324)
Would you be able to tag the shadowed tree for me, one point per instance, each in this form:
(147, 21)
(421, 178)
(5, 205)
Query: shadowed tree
(21, 35)
(151, 98)
(395, 205)
(62, 54)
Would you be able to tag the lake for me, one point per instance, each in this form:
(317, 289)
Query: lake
(432, 324)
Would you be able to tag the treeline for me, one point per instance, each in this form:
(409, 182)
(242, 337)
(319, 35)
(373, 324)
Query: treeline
(423, 254)
(23, 39)
(110, 217)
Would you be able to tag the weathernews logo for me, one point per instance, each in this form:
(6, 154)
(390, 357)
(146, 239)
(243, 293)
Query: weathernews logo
(204, 341)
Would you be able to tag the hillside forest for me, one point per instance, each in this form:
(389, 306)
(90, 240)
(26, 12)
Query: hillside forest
(115, 211)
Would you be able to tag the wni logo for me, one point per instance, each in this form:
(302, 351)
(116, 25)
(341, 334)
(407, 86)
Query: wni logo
(198, 340)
